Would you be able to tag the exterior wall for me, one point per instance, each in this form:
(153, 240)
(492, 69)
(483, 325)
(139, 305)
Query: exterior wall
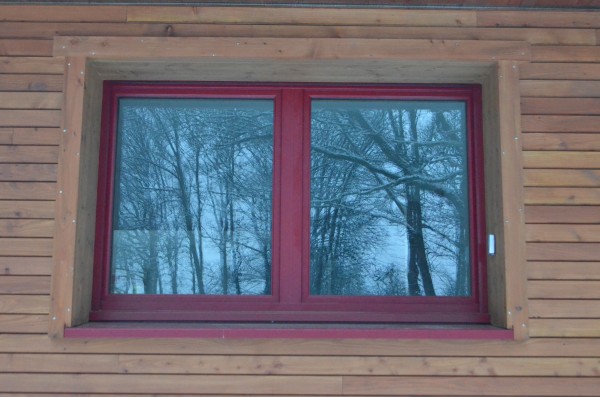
(560, 104)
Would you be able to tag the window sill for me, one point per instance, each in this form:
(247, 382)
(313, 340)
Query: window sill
(289, 331)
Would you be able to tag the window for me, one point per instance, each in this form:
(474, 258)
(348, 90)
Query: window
(292, 203)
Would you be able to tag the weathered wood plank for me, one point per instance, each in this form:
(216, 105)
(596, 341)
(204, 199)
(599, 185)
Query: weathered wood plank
(461, 386)
(300, 16)
(25, 47)
(29, 136)
(286, 365)
(560, 141)
(561, 106)
(36, 65)
(31, 82)
(546, 19)
(561, 159)
(26, 209)
(43, 30)
(562, 196)
(560, 88)
(566, 328)
(27, 190)
(290, 48)
(29, 118)
(563, 289)
(569, 308)
(26, 227)
(29, 154)
(28, 172)
(563, 233)
(575, 178)
(560, 71)
(27, 285)
(26, 246)
(562, 214)
(30, 100)
(563, 270)
(152, 384)
(64, 13)
(547, 123)
(24, 266)
(565, 53)
(307, 347)
(24, 304)
(23, 324)
(562, 251)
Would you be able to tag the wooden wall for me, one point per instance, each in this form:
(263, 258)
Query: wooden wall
(560, 102)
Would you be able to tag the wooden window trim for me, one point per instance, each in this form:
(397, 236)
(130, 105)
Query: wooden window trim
(90, 61)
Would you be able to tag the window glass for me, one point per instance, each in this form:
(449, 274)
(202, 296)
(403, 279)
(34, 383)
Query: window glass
(192, 197)
(389, 198)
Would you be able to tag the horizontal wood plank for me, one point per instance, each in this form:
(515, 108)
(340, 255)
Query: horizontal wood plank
(569, 308)
(291, 365)
(28, 285)
(561, 159)
(567, 328)
(28, 172)
(30, 118)
(562, 233)
(461, 386)
(553, 177)
(42, 30)
(563, 289)
(23, 324)
(560, 88)
(562, 196)
(31, 65)
(25, 266)
(30, 100)
(548, 123)
(560, 71)
(25, 47)
(29, 136)
(537, 18)
(285, 48)
(563, 270)
(31, 82)
(300, 16)
(562, 251)
(23, 209)
(29, 154)
(24, 304)
(562, 214)
(26, 246)
(152, 384)
(561, 141)
(565, 53)
(560, 106)
(26, 227)
(27, 190)
(63, 13)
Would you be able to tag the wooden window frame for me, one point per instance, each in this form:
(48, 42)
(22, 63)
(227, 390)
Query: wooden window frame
(290, 299)
(91, 60)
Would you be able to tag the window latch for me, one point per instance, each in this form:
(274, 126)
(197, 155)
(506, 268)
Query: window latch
(491, 244)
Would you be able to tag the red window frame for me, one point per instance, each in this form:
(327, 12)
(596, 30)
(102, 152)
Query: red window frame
(290, 300)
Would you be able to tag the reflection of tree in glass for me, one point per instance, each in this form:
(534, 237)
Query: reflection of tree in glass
(192, 211)
(389, 198)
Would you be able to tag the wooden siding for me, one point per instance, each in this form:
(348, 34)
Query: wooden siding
(560, 105)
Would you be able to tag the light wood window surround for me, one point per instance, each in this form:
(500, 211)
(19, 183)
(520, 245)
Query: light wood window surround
(91, 60)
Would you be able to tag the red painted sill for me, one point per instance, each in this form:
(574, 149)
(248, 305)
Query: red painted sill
(288, 331)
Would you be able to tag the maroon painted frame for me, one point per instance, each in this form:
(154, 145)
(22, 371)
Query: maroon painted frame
(290, 300)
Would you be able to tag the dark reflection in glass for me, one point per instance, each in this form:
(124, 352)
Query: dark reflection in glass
(389, 198)
(192, 199)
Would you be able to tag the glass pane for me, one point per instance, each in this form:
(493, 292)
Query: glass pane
(389, 198)
(192, 200)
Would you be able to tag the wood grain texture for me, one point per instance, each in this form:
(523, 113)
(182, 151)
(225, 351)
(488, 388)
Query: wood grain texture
(29, 285)
(560, 88)
(564, 289)
(560, 71)
(563, 233)
(561, 106)
(563, 251)
(554, 177)
(29, 154)
(26, 209)
(26, 227)
(30, 100)
(567, 328)
(562, 214)
(563, 270)
(568, 308)
(25, 266)
(29, 136)
(562, 196)
(561, 159)
(31, 82)
(24, 304)
(565, 53)
(549, 123)
(538, 18)
(26, 246)
(27, 190)
(561, 141)
(28, 172)
(29, 118)
(23, 324)
(44, 13)
(300, 16)
(25, 47)
(30, 65)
